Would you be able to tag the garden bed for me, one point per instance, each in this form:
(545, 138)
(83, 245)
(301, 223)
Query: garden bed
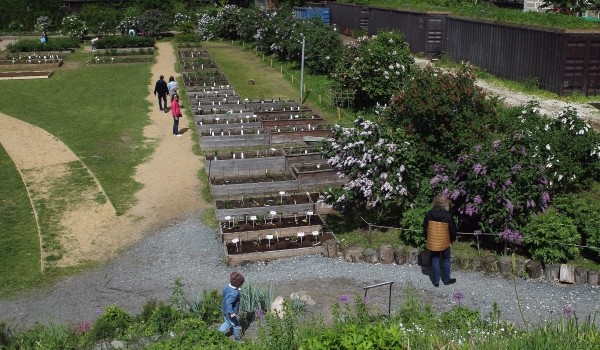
(25, 75)
(121, 59)
(301, 154)
(297, 136)
(234, 138)
(261, 251)
(285, 205)
(252, 186)
(316, 176)
(244, 163)
(246, 229)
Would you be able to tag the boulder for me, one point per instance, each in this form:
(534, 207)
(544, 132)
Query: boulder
(534, 269)
(331, 248)
(490, 264)
(400, 255)
(593, 278)
(505, 266)
(354, 254)
(386, 254)
(413, 256)
(371, 256)
(567, 274)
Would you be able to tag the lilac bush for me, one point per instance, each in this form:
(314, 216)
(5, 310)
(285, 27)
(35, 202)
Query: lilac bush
(374, 67)
(378, 163)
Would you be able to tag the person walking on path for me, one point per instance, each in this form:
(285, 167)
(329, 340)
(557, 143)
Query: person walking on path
(231, 305)
(439, 229)
(176, 111)
(172, 85)
(161, 90)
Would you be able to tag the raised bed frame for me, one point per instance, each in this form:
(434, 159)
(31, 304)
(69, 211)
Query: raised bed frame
(232, 141)
(282, 232)
(256, 189)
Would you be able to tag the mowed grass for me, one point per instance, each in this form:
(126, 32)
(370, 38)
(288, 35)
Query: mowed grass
(19, 240)
(98, 111)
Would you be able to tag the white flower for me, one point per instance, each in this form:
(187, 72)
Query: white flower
(560, 177)
(548, 147)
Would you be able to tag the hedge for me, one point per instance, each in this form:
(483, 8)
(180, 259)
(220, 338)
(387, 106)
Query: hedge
(113, 42)
(34, 45)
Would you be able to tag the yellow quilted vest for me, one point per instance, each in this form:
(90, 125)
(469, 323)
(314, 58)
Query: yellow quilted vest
(438, 236)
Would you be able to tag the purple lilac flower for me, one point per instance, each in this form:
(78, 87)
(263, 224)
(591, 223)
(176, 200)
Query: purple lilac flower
(516, 168)
(507, 183)
(461, 159)
(543, 182)
(435, 180)
(458, 297)
(545, 198)
(344, 298)
(496, 144)
(445, 178)
(260, 314)
(477, 168)
(454, 195)
(511, 236)
(438, 168)
(568, 311)
(491, 184)
(484, 170)
(523, 150)
(477, 148)
(512, 149)
(477, 199)
(490, 221)
(508, 204)
(530, 203)
(471, 210)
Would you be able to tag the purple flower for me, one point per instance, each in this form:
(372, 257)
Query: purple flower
(458, 297)
(530, 203)
(445, 178)
(344, 298)
(512, 149)
(477, 199)
(471, 210)
(569, 311)
(477, 148)
(477, 168)
(82, 327)
(523, 150)
(516, 168)
(507, 183)
(461, 159)
(98, 310)
(496, 144)
(454, 194)
(491, 184)
(508, 204)
(260, 314)
(365, 299)
(438, 168)
(435, 180)
(511, 236)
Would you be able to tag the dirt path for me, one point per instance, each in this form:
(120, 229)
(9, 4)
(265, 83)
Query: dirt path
(171, 188)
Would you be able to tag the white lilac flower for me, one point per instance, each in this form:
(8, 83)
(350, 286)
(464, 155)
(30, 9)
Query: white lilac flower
(548, 147)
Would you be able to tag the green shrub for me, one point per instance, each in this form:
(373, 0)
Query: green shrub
(50, 337)
(34, 45)
(193, 334)
(111, 42)
(253, 299)
(113, 323)
(550, 237)
(187, 38)
(584, 209)
(353, 336)
(460, 318)
(412, 224)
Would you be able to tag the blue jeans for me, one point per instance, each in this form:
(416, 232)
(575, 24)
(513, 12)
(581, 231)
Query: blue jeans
(231, 322)
(175, 126)
(435, 266)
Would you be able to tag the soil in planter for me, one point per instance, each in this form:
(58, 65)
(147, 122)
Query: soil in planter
(253, 179)
(250, 153)
(298, 221)
(310, 167)
(264, 201)
(253, 246)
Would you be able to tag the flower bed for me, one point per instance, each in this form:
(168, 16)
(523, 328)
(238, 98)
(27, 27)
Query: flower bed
(252, 186)
(263, 251)
(281, 136)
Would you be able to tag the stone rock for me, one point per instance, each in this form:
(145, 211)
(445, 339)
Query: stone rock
(386, 254)
(553, 272)
(117, 344)
(505, 266)
(567, 274)
(534, 269)
(303, 296)
(331, 248)
(277, 306)
(371, 256)
(581, 275)
(354, 254)
(400, 255)
(593, 278)
(413, 256)
(490, 264)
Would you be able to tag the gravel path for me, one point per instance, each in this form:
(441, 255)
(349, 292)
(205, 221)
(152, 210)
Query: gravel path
(192, 252)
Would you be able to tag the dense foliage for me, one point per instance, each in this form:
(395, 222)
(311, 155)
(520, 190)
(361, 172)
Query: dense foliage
(110, 42)
(34, 45)
(73, 26)
(374, 67)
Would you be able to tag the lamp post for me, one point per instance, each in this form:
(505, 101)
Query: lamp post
(302, 70)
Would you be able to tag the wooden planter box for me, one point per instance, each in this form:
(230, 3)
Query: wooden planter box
(283, 122)
(231, 117)
(211, 93)
(237, 259)
(25, 75)
(317, 179)
(250, 165)
(254, 189)
(297, 136)
(309, 156)
(214, 100)
(210, 88)
(264, 205)
(283, 232)
(232, 141)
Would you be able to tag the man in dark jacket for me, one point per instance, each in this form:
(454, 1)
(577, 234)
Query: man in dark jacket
(439, 229)
(162, 90)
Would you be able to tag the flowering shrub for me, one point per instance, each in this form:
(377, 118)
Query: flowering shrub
(374, 67)
(42, 23)
(129, 22)
(378, 164)
(496, 186)
(445, 111)
(207, 26)
(185, 22)
(73, 26)
(551, 237)
(152, 23)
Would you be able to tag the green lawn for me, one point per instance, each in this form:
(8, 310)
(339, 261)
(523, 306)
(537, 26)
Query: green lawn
(99, 112)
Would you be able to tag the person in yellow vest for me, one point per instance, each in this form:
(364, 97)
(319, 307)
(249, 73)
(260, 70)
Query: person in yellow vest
(439, 229)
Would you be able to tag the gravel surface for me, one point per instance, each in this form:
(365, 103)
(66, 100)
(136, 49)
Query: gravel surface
(192, 252)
